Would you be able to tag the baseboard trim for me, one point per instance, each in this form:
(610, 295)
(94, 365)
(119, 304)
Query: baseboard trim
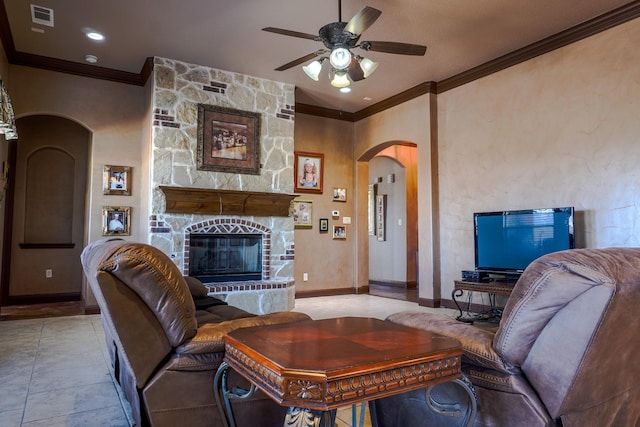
(43, 299)
(395, 284)
(332, 292)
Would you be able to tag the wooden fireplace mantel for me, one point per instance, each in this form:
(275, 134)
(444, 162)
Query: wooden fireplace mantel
(226, 202)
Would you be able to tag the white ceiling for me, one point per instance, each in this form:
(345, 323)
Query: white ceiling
(226, 34)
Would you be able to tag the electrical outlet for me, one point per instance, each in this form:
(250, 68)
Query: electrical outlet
(48, 273)
(305, 277)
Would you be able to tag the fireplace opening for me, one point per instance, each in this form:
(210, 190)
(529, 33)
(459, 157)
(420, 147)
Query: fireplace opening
(225, 257)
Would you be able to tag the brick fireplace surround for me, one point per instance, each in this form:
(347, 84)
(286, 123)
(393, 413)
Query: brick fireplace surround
(243, 290)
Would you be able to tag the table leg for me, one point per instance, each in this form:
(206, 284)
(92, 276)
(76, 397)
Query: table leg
(458, 293)
(302, 417)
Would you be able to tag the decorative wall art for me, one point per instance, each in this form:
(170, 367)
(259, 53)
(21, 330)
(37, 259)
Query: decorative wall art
(116, 220)
(228, 140)
(324, 225)
(116, 180)
(339, 194)
(302, 214)
(371, 209)
(339, 232)
(381, 208)
(309, 172)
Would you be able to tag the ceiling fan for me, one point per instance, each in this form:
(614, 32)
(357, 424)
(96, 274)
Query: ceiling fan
(339, 38)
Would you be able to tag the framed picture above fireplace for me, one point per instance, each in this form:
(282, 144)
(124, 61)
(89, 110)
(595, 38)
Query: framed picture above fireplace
(302, 214)
(228, 140)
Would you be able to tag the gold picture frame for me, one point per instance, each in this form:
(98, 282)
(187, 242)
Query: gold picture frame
(116, 221)
(339, 194)
(339, 232)
(302, 214)
(116, 180)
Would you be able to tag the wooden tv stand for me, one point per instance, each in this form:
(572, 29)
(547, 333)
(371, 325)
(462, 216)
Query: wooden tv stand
(491, 288)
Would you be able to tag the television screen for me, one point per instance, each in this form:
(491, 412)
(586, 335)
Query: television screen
(508, 241)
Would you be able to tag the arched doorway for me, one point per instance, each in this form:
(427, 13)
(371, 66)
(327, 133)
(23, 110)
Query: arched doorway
(45, 219)
(393, 248)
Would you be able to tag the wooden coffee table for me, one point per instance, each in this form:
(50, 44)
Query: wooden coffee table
(316, 366)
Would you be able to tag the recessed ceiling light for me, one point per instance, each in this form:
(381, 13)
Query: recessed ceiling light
(367, 98)
(94, 35)
(345, 89)
(91, 59)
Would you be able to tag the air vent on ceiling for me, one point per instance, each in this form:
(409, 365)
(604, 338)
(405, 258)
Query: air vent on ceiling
(41, 15)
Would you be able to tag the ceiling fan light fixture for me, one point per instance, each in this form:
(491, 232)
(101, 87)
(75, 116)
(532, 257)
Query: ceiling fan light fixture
(368, 66)
(313, 69)
(340, 58)
(340, 79)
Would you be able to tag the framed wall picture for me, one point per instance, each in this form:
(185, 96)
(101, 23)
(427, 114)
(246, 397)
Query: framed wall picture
(302, 214)
(324, 225)
(339, 232)
(309, 172)
(339, 194)
(228, 140)
(371, 209)
(381, 213)
(116, 220)
(117, 180)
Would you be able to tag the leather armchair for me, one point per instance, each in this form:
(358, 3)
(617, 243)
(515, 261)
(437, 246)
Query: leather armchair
(164, 352)
(565, 352)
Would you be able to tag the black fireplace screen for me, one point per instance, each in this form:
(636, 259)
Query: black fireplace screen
(225, 257)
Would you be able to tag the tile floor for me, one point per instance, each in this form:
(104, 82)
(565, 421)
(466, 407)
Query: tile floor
(55, 371)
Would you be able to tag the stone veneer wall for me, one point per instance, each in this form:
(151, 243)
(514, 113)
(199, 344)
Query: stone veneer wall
(178, 88)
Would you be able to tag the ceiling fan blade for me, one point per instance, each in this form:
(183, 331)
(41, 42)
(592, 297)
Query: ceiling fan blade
(298, 61)
(290, 33)
(355, 70)
(362, 20)
(393, 47)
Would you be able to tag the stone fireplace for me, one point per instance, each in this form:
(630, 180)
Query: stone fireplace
(177, 90)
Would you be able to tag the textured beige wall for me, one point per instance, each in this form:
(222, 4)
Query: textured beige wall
(114, 114)
(329, 263)
(559, 130)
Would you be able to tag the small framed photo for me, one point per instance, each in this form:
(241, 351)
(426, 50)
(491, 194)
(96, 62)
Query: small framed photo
(339, 232)
(302, 214)
(339, 194)
(117, 180)
(116, 220)
(324, 225)
(308, 169)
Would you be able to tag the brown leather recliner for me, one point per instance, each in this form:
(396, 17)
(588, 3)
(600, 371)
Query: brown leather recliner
(164, 352)
(565, 352)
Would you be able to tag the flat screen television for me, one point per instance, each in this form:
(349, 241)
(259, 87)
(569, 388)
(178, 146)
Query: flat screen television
(508, 241)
